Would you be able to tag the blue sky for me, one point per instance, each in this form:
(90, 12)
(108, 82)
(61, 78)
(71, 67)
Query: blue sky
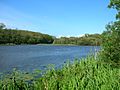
(57, 17)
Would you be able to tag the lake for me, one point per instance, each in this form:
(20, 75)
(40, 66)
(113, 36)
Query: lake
(31, 57)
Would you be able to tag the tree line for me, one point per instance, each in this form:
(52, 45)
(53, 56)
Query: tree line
(87, 39)
(14, 36)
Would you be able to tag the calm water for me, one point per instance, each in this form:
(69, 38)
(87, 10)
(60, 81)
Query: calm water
(31, 57)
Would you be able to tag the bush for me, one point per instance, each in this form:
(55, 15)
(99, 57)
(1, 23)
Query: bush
(111, 43)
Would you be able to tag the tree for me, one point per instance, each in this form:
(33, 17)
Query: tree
(115, 4)
(111, 42)
(2, 25)
(23, 37)
(111, 37)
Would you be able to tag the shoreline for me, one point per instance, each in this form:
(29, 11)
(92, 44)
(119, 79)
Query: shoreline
(11, 44)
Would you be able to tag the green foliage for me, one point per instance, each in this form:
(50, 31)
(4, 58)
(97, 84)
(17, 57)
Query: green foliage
(87, 39)
(111, 37)
(16, 81)
(111, 43)
(23, 37)
(115, 4)
(84, 74)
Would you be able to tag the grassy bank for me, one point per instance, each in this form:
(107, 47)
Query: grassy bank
(86, 74)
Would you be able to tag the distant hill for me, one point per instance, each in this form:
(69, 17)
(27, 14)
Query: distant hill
(24, 37)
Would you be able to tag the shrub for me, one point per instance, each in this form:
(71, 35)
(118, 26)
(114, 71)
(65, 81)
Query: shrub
(111, 43)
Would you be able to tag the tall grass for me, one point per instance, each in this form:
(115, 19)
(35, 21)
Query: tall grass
(84, 74)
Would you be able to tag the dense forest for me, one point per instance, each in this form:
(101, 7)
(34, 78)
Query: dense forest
(14, 36)
(87, 39)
